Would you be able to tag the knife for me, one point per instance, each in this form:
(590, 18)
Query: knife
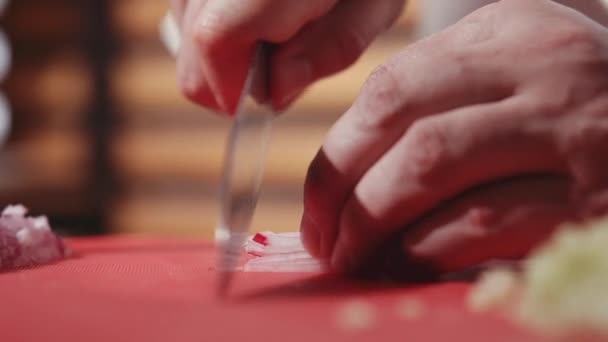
(244, 165)
(245, 154)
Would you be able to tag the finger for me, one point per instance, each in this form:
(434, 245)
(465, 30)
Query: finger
(314, 53)
(505, 220)
(408, 87)
(226, 33)
(438, 158)
(190, 74)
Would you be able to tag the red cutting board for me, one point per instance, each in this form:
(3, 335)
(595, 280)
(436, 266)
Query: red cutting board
(132, 289)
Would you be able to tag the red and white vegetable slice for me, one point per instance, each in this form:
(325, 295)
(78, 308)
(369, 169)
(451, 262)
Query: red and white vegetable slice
(279, 252)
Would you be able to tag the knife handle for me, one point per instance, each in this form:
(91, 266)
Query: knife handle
(257, 86)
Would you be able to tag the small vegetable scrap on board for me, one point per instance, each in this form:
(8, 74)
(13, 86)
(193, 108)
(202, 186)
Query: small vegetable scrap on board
(279, 252)
(27, 241)
(562, 289)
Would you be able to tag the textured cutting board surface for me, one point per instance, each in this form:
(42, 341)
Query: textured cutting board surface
(134, 289)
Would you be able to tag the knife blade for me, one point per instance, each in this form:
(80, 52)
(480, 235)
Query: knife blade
(246, 152)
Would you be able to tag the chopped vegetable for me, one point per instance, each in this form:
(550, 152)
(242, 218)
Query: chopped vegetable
(494, 290)
(283, 252)
(27, 241)
(563, 288)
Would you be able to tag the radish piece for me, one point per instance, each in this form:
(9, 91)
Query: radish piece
(274, 246)
(279, 252)
(282, 258)
(27, 241)
(283, 267)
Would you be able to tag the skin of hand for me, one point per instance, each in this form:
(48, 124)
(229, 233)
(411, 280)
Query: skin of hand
(475, 143)
(311, 39)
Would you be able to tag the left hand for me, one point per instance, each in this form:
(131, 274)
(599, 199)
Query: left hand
(311, 39)
(444, 138)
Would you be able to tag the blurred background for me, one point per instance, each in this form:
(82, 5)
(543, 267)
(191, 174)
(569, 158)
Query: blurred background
(101, 140)
(96, 135)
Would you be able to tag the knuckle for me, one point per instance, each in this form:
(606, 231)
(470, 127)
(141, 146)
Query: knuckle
(469, 31)
(209, 33)
(574, 36)
(379, 100)
(428, 149)
(580, 81)
(208, 39)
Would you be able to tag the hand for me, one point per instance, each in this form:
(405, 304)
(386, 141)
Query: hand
(433, 142)
(313, 39)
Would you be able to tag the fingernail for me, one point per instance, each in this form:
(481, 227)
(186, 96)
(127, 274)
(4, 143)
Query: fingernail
(311, 237)
(293, 75)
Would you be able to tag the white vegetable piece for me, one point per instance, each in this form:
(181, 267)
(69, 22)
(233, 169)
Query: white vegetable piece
(563, 289)
(170, 34)
(27, 241)
(495, 290)
(566, 282)
(279, 252)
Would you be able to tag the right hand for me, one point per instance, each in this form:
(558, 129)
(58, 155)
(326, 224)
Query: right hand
(429, 149)
(313, 39)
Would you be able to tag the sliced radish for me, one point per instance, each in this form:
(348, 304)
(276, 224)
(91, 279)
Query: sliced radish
(279, 252)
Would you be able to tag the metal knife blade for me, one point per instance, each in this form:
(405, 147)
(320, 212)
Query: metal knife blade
(243, 166)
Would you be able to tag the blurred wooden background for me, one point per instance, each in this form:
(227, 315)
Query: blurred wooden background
(104, 142)
(49, 161)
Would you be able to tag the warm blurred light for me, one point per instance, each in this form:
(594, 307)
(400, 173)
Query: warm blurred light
(3, 4)
(63, 83)
(5, 119)
(5, 56)
(5, 66)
